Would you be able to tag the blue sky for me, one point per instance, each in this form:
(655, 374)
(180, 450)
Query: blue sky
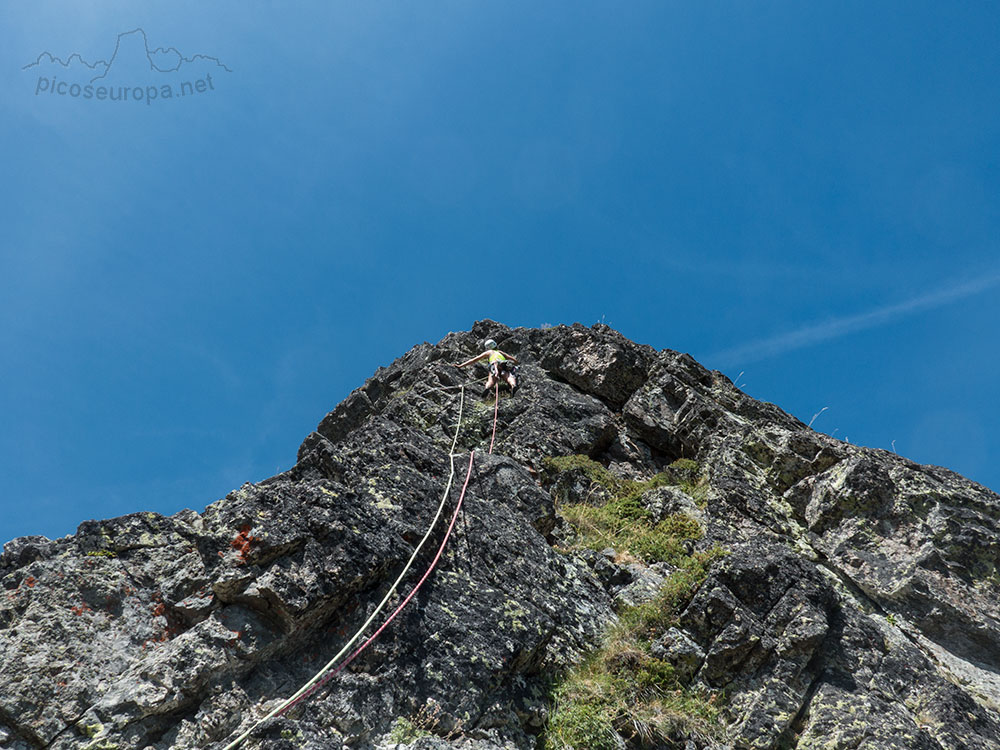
(804, 193)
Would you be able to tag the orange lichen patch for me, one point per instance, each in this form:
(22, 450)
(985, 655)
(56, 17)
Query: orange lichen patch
(31, 581)
(162, 637)
(79, 610)
(172, 628)
(242, 542)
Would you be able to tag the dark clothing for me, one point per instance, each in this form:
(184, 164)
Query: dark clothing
(501, 369)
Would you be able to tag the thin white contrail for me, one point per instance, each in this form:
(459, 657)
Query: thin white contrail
(831, 329)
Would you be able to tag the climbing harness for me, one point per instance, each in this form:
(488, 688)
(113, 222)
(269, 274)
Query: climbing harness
(325, 674)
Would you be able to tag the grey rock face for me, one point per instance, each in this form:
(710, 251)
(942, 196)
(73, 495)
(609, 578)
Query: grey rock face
(857, 609)
(677, 647)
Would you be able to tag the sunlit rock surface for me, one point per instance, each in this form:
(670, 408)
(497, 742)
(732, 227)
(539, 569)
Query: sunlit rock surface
(857, 609)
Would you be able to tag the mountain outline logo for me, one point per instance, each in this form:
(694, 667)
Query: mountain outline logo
(150, 55)
(134, 56)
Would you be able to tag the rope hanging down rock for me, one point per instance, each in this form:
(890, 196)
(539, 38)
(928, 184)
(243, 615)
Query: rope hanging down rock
(496, 411)
(434, 562)
(328, 670)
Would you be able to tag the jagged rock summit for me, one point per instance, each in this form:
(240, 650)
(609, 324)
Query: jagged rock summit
(649, 558)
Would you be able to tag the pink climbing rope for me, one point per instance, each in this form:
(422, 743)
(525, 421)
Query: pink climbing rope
(398, 609)
(496, 410)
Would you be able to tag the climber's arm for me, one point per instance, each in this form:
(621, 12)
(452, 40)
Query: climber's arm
(474, 359)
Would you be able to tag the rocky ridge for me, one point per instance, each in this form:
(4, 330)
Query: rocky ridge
(855, 608)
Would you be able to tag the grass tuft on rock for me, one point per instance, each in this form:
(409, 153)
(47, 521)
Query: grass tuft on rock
(623, 522)
(591, 469)
(684, 473)
(404, 731)
(622, 692)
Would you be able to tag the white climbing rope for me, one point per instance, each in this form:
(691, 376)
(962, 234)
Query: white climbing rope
(333, 662)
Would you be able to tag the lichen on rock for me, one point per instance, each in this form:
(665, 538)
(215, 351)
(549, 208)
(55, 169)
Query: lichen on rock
(641, 524)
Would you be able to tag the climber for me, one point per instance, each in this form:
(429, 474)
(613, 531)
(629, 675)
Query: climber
(501, 366)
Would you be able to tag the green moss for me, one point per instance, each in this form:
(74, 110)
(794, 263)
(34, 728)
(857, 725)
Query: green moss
(993, 578)
(514, 612)
(687, 475)
(401, 392)
(91, 730)
(684, 469)
(979, 561)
